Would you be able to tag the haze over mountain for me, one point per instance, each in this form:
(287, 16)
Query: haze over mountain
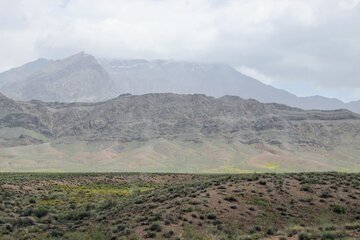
(81, 78)
(76, 78)
(171, 132)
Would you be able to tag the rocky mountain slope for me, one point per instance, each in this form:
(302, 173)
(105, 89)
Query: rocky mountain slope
(20, 74)
(82, 78)
(144, 117)
(161, 76)
(159, 127)
(76, 78)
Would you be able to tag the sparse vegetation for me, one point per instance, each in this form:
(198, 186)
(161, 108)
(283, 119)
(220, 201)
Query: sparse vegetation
(179, 206)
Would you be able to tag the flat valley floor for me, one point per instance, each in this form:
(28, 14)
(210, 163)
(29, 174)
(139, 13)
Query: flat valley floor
(179, 206)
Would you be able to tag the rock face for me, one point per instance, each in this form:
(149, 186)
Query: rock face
(77, 78)
(7, 106)
(187, 118)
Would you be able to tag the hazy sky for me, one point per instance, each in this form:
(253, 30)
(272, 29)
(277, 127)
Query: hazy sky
(307, 47)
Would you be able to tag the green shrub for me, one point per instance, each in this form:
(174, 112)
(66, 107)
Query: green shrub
(168, 234)
(56, 233)
(155, 227)
(339, 209)
(230, 199)
(77, 215)
(150, 235)
(332, 235)
(40, 212)
(25, 222)
(211, 216)
(304, 236)
(305, 188)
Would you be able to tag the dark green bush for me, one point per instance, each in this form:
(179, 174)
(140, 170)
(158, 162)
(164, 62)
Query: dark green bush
(40, 212)
(77, 215)
(155, 227)
(230, 199)
(304, 236)
(339, 209)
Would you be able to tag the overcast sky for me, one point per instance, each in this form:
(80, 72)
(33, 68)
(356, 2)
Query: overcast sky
(307, 47)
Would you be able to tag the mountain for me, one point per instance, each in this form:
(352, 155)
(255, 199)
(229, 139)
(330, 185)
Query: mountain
(160, 76)
(18, 75)
(354, 106)
(82, 78)
(172, 132)
(319, 102)
(76, 78)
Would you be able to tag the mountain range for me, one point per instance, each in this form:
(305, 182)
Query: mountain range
(166, 132)
(83, 78)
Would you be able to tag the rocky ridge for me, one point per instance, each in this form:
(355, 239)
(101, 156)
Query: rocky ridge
(185, 117)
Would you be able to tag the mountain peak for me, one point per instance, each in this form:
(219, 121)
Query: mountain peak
(77, 78)
(82, 54)
(79, 56)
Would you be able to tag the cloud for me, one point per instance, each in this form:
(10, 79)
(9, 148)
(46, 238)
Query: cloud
(315, 43)
(348, 4)
(251, 72)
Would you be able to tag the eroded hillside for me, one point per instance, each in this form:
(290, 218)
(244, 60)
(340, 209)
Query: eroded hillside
(161, 132)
